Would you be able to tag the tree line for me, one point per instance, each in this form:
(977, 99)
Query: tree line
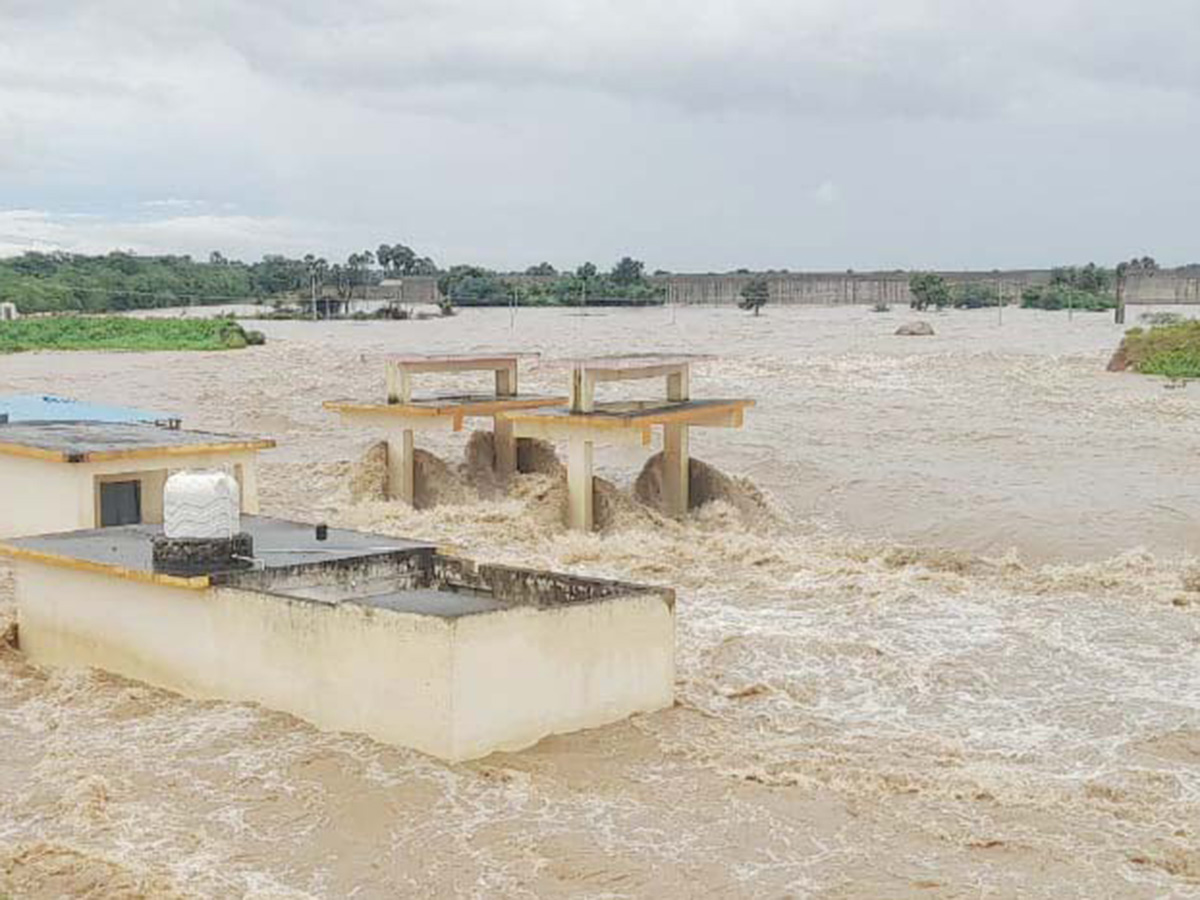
(73, 282)
(1090, 287)
(62, 282)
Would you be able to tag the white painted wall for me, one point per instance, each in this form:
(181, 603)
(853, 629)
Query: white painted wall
(39, 496)
(456, 689)
(527, 673)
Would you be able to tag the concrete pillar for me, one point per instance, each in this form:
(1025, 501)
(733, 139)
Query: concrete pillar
(506, 382)
(505, 444)
(676, 462)
(679, 385)
(580, 489)
(583, 391)
(401, 466)
(153, 485)
(247, 478)
(399, 384)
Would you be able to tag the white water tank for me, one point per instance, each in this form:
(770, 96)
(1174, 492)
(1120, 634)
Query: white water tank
(201, 505)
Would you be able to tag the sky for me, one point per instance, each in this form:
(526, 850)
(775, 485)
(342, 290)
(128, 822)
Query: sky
(697, 135)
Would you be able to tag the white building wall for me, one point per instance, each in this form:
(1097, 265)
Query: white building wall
(527, 673)
(456, 689)
(39, 496)
(341, 668)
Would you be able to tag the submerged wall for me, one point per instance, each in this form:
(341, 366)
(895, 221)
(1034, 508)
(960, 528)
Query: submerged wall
(456, 688)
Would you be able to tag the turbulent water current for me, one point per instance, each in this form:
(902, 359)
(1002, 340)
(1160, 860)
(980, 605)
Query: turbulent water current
(956, 655)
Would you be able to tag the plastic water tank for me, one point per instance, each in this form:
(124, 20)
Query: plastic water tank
(201, 505)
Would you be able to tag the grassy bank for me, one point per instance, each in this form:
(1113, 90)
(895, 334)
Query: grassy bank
(1170, 350)
(119, 333)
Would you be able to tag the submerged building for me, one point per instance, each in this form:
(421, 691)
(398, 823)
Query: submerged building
(69, 475)
(349, 631)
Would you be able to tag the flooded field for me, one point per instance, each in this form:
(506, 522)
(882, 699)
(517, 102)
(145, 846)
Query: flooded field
(959, 658)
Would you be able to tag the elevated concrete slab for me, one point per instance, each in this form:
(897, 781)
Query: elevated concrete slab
(79, 442)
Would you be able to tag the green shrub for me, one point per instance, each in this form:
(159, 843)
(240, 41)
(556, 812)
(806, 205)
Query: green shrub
(120, 333)
(1161, 318)
(974, 295)
(1170, 350)
(1064, 296)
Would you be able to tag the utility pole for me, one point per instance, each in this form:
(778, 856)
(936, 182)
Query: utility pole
(1120, 313)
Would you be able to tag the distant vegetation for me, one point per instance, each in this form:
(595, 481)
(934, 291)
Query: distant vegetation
(1087, 288)
(62, 282)
(928, 289)
(625, 284)
(755, 295)
(72, 282)
(123, 333)
(974, 295)
(1170, 350)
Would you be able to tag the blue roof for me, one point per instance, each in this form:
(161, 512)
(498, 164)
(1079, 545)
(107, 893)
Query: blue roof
(47, 408)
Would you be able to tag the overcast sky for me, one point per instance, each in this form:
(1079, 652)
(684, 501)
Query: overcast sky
(694, 134)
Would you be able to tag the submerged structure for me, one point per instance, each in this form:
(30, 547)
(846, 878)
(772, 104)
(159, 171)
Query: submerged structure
(587, 421)
(349, 631)
(354, 632)
(64, 476)
(403, 413)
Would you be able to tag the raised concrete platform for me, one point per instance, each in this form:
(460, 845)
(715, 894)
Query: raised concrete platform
(585, 422)
(359, 632)
(403, 414)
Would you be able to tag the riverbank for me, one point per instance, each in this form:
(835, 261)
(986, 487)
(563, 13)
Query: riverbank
(122, 333)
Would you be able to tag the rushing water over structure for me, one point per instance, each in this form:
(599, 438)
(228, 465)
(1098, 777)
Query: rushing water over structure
(958, 656)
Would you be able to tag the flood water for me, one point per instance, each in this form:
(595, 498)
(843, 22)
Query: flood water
(960, 658)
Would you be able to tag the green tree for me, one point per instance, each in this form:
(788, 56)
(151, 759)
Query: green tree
(755, 295)
(542, 268)
(928, 289)
(383, 253)
(472, 286)
(628, 271)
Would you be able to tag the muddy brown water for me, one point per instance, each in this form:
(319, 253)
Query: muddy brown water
(961, 658)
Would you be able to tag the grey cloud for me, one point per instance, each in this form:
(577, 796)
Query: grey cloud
(856, 57)
(696, 132)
